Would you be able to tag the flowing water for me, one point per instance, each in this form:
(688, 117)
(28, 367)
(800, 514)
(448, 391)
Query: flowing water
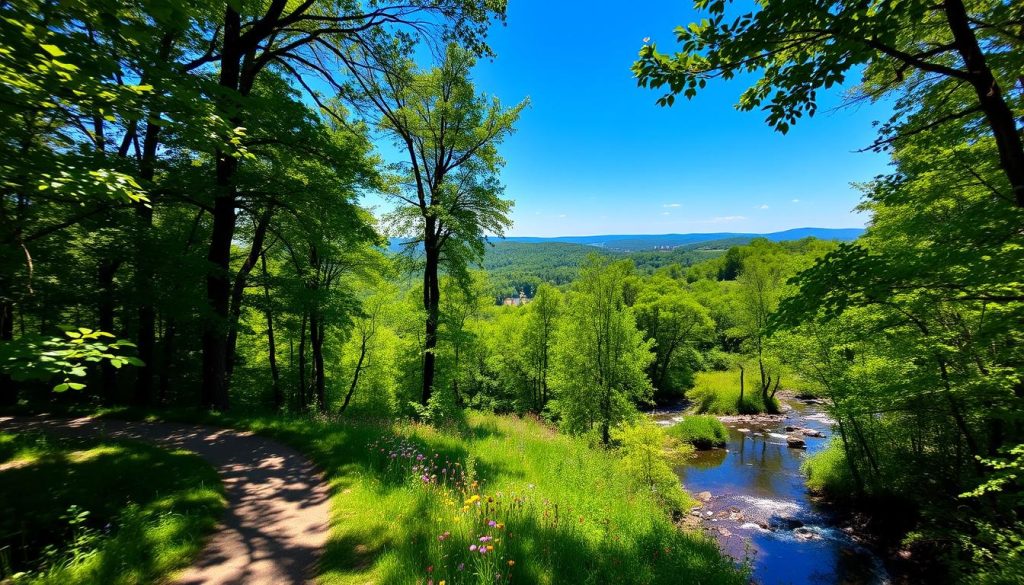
(757, 507)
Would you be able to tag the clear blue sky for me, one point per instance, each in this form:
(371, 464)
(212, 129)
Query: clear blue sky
(594, 154)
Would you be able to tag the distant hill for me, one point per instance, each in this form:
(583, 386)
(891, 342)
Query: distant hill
(637, 242)
(647, 242)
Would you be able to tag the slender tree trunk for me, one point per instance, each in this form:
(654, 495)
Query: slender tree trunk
(316, 338)
(355, 376)
(998, 114)
(108, 375)
(238, 290)
(742, 371)
(168, 349)
(303, 403)
(275, 376)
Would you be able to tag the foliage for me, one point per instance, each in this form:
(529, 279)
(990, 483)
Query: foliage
(599, 356)
(37, 357)
(648, 455)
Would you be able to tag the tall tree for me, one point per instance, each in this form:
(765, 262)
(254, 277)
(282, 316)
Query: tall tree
(600, 357)
(448, 197)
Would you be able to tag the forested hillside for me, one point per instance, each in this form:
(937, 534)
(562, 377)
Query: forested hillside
(287, 217)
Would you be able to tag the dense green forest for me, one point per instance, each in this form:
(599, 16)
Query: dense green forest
(183, 224)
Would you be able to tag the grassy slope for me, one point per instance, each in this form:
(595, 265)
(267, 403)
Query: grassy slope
(570, 514)
(148, 509)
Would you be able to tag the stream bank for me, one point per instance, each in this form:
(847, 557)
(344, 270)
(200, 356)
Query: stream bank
(755, 503)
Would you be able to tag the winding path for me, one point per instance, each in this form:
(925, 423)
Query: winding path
(276, 524)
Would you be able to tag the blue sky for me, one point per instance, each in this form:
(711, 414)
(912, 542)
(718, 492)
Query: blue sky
(594, 154)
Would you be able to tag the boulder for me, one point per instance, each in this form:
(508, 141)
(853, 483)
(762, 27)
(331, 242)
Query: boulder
(812, 433)
(794, 442)
(704, 496)
(791, 428)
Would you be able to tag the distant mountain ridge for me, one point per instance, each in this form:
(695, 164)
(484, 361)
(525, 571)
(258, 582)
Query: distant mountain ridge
(640, 242)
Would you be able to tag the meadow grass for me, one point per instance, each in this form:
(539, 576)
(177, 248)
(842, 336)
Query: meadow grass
(100, 511)
(719, 393)
(700, 430)
(554, 509)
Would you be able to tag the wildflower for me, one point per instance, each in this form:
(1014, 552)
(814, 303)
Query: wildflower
(511, 563)
(501, 526)
(485, 539)
(492, 523)
(490, 548)
(430, 569)
(472, 547)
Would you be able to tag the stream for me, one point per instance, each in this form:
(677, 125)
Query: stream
(757, 507)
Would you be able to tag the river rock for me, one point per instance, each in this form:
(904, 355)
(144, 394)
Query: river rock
(704, 496)
(804, 533)
(743, 430)
(813, 433)
(791, 428)
(794, 442)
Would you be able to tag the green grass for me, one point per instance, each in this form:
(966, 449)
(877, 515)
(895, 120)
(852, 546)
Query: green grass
(701, 431)
(569, 513)
(828, 473)
(719, 393)
(100, 511)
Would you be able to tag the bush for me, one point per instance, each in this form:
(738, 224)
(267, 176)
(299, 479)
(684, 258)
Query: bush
(701, 431)
(719, 393)
(647, 457)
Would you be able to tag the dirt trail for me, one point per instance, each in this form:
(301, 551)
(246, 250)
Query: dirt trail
(276, 524)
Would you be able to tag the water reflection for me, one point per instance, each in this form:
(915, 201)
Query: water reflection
(761, 510)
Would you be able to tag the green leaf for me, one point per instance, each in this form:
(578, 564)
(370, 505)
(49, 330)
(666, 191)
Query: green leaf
(53, 50)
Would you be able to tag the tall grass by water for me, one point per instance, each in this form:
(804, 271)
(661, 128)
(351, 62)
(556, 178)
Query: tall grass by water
(701, 431)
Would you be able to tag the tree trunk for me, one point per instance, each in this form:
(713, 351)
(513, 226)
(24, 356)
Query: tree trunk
(275, 376)
(167, 361)
(316, 338)
(218, 288)
(998, 114)
(238, 290)
(303, 403)
(355, 376)
(431, 303)
(108, 375)
(146, 338)
(740, 405)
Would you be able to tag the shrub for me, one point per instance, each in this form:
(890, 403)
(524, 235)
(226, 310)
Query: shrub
(647, 456)
(701, 431)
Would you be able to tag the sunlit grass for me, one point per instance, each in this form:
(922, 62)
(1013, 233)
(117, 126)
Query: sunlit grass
(719, 393)
(389, 525)
(701, 431)
(97, 511)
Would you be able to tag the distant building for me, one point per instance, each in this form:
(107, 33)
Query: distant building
(516, 301)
